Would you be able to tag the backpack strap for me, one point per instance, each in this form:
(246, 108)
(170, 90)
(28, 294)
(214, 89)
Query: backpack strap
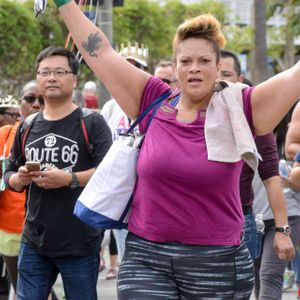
(25, 128)
(87, 116)
(86, 120)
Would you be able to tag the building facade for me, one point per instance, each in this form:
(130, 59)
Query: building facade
(240, 12)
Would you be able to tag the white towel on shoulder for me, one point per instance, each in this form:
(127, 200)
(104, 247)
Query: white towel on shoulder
(227, 132)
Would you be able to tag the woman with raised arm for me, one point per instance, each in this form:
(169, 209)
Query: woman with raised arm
(185, 228)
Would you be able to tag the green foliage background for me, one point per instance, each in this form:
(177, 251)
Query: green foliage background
(149, 22)
(22, 37)
(17, 46)
(154, 25)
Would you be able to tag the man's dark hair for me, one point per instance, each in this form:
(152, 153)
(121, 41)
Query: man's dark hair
(281, 129)
(237, 64)
(164, 63)
(247, 81)
(3, 110)
(58, 51)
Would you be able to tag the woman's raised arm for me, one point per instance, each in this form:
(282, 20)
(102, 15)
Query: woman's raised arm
(124, 81)
(272, 99)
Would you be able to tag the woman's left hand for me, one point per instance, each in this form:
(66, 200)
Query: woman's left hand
(283, 246)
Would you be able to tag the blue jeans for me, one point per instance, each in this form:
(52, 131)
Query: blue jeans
(252, 237)
(37, 274)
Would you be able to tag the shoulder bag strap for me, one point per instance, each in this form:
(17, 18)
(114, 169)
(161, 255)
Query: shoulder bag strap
(156, 103)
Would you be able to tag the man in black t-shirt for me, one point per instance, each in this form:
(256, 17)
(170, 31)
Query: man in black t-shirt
(54, 240)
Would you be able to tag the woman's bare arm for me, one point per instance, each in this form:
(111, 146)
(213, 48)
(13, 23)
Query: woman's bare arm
(272, 99)
(124, 81)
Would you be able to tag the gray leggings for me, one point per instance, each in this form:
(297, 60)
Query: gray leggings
(271, 267)
(176, 271)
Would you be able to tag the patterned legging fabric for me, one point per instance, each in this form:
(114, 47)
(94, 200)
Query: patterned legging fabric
(176, 271)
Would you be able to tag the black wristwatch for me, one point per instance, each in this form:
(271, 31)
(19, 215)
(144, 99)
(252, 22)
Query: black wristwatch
(286, 229)
(74, 182)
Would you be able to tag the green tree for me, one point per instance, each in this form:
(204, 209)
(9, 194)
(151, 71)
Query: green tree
(239, 38)
(154, 25)
(20, 41)
(282, 39)
(22, 37)
(260, 63)
(52, 29)
(213, 7)
(143, 21)
(175, 12)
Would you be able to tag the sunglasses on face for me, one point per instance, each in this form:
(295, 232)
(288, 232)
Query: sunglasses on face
(31, 99)
(167, 81)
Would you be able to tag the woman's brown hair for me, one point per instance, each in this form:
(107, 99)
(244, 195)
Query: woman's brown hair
(204, 27)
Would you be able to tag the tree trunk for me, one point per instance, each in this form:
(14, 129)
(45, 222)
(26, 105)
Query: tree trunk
(260, 71)
(105, 22)
(289, 48)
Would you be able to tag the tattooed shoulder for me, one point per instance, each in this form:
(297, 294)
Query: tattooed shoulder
(92, 44)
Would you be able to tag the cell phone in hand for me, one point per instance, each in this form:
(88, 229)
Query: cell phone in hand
(33, 166)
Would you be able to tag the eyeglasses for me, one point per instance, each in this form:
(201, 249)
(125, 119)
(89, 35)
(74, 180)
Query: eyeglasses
(167, 81)
(14, 116)
(31, 99)
(136, 64)
(57, 72)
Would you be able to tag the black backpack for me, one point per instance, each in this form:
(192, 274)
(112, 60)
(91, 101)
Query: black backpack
(86, 116)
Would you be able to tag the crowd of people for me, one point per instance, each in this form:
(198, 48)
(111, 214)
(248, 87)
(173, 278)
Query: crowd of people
(207, 166)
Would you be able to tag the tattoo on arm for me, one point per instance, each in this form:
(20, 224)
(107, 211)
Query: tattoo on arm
(93, 43)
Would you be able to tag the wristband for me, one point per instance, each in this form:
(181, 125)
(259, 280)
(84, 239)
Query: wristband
(60, 3)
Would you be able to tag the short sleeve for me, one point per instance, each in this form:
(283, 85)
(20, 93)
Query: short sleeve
(266, 146)
(247, 104)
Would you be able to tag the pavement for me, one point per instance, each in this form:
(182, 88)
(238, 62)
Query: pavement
(107, 290)
(290, 295)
